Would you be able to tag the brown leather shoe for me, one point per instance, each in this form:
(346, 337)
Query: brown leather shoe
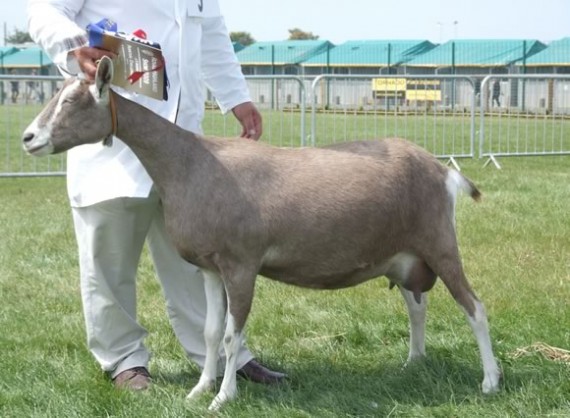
(137, 378)
(260, 374)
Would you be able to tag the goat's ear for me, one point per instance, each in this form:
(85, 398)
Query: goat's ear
(103, 76)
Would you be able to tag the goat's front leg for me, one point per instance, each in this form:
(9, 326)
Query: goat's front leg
(228, 389)
(239, 288)
(417, 315)
(215, 314)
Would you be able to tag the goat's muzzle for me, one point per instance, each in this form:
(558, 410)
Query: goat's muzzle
(35, 145)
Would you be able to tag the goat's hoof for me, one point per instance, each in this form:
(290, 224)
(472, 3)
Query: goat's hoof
(220, 399)
(413, 359)
(490, 383)
(199, 389)
(215, 406)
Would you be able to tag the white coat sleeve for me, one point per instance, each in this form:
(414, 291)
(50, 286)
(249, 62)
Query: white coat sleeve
(51, 25)
(221, 70)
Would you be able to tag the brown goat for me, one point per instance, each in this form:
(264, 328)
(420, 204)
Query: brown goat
(321, 218)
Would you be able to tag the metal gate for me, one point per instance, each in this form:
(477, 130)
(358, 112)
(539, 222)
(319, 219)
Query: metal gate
(524, 115)
(530, 115)
(282, 101)
(436, 112)
(21, 99)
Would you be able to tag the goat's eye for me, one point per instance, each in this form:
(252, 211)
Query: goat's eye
(69, 100)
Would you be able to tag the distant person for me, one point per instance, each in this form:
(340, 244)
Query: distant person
(15, 85)
(496, 98)
(31, 85)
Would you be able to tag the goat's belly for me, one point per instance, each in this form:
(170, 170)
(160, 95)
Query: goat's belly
(330, 280)
(404, 269)
(317, 269)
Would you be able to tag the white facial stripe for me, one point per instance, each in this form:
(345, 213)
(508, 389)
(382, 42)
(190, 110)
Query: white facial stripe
(34, 126)
(65, 93)
(41, 143)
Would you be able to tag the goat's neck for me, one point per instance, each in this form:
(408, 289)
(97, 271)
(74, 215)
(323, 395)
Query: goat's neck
(161, 146)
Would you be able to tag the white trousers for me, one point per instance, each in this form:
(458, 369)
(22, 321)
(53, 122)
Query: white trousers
(110, 237)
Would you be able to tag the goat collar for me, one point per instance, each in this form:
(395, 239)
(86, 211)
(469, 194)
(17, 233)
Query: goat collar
(108, 141)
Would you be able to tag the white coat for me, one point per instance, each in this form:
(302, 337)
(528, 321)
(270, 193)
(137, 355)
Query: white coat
(197, 50)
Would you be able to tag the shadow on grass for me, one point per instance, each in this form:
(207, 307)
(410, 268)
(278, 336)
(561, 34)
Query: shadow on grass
(442, 379)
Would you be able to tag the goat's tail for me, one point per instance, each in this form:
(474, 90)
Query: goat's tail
(458, 181)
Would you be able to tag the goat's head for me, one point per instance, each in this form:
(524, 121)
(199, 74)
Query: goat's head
(79, 114)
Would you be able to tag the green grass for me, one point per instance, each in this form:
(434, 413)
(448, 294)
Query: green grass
(343, 350)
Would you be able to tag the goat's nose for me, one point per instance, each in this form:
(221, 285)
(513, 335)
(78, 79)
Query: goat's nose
(28, 136)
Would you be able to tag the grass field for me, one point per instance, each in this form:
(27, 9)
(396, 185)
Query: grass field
(343, 350)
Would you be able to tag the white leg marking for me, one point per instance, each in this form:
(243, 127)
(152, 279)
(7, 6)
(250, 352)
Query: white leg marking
(453, 183)
(215, 315)
(480, 328)
(228, 390)
(417, 314)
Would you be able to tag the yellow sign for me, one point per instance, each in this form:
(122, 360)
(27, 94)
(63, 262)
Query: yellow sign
(411, 89)
(388, 84)
(426, 84)
(426, 95)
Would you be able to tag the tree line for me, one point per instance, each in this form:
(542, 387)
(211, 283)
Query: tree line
(21, 37)
(246, 39)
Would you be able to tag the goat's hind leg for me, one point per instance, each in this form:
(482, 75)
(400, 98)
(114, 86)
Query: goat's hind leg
(480, 327)
(213, 330)
(417, 317)
(450, 270)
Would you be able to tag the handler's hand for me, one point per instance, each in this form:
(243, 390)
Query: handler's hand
(87, 58)
(250, 120)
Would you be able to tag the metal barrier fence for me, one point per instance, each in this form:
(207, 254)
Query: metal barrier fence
(282, 101)
(524, 115)
(435, 111)
(530, 116)
(21, 99)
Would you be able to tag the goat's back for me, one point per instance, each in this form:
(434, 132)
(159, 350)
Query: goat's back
(317, 217)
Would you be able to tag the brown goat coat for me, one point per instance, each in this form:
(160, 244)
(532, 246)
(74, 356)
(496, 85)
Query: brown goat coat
(321, 218)
(240, 208)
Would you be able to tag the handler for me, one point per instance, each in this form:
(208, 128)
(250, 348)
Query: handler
(114, 205)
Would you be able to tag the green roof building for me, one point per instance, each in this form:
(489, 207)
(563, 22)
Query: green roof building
(366, 56)
(468, 56)
(5, 51)
(28, 59)
(237, 46)
(280, 57)
(555, 58)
